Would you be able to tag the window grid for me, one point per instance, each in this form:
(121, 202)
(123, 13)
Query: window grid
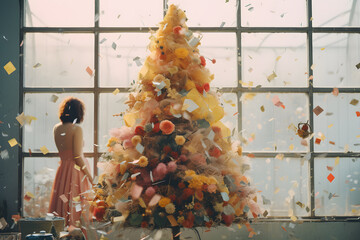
(239, 90)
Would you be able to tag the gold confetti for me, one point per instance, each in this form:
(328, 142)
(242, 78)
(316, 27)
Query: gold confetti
(276, 190)
(77, 167)
(262, 108)
(12, 142)
(76, 199)
(271, 76)
(293, 218)
(278, 58)
(279, 156)
(353, 189)
(331, 125)
(354, 102)
(337, 160)
(44, 150)
(322, 49)
(9, 68)
(291, 147)
(116, 91)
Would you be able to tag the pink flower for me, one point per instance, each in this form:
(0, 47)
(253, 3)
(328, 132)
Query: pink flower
(211, 188)
(122, 133)
(127, 143)
(171, 167)
(150, 191)
(167, 127)
(159, 172)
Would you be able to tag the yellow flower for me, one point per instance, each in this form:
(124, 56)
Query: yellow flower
(143, 161)
(189, 173)
(112, 141)
(181, 219)
(170, 208)
(180, 140)
(164, 201)
(196, 182)
(135, 140)
(181, 52)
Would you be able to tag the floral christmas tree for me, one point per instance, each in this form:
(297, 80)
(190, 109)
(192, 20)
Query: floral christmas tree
(174, 163)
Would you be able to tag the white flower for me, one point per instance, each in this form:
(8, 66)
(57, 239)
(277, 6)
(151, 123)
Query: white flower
(170, 208)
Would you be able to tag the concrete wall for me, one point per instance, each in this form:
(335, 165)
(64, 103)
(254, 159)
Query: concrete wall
(9, 103)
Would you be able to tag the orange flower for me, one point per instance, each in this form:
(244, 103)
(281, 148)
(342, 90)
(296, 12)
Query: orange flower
(167, 127)
(143, 161)
(164, 201)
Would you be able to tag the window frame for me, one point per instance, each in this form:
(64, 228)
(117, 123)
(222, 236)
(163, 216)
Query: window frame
(309, 30)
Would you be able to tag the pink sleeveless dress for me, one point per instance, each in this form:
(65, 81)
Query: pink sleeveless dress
(69, 184)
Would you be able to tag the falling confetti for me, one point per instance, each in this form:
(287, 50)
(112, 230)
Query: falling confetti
(113, 45)
(357, 66)
(271, 76)
(330, 177)
(318, 110)
(354, 102)
(9, 68)
(337, 160)
(37, 65)
(317, 140)
(12, 142)
(116, 91)
(54, 98)
(44, 150)
(335, 91)
(89, 71)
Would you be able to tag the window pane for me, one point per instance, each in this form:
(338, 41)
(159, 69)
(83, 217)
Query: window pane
(117, 51)
(135, 13)
(338, 125)
(273, 13)
(341, 196)
(40, 132)
(274, 59)
(335, 60)
(282, 183)
(39, 175)
(230, 104)
(64, 13)
(271, 129)
(208, 13)
(110, 106)
(58, 60)
(224, 52)
(334, 13)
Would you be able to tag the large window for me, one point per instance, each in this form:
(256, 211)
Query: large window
(278, 64)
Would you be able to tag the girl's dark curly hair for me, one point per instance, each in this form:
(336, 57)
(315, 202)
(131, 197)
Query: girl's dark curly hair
(71, 110)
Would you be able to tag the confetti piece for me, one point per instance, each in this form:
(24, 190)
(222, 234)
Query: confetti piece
(116, 91)
(357, 66)
(225, 196)
(76, 199)
(54, 98)
(77, 167)
(140, 148)
(283, 228)
(4, 154)
(312, 66)
(89, 71)
(9, 68)
(329, 168)
(300, 204)
(318, 110)
(102, 40)
(262, 108)
(335, 92)
(63, 198)
(21, 118)
(330, 126)
(291, 147)
(311, 18)
(353, 189)
(293, 218)
(354, 102)
(330, 177)
(265, 213)
(37, 65)
(278, 58)
(271, 76)
(304, 142)
(337, 160)
(113, 45)
(322, 49)
(222, 24)
(276, 190)
(317, 141)
(332, 143)
(44, 150)
(12, 142)
(172, 220)
(154, 200)
(279, 156)
(137, 61)
(357, 113)
(276, 101)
